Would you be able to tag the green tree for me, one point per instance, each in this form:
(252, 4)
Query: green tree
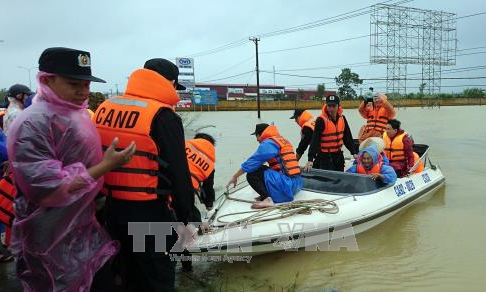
(473, 93)
(95, 99)
(421, 89)
(346, 80)
(300, 94)
(321, 88)
(3, 92)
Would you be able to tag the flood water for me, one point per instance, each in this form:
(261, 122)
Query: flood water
(436, 245)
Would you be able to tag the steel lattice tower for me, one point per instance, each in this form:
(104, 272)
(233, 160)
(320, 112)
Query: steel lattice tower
(402, 35)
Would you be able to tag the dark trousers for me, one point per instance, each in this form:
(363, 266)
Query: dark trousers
(103, 280)
(141, 271)
(330, 161)
(256, 180)
(195, 217)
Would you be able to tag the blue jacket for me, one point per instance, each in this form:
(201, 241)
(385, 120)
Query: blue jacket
(3, 147)
(385, 159)
(390, 177)
(281, 187)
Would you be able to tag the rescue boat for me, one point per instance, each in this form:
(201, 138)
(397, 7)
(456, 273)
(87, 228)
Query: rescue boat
(331, 206)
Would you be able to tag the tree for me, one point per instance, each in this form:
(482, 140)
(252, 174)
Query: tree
(421, 89)
(300, 94)
(346, 80)
(3, 92)
(95, 99)
(473, 93)
(321, 88)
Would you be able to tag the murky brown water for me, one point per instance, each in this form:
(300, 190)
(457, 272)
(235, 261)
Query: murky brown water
(436, 245)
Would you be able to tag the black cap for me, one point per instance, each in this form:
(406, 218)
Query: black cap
(18, 89)
(66, 62)
(332, 99)
(259, 128)
(165, 68)
(297, 113)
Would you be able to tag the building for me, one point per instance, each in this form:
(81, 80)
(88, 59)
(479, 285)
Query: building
(267, 92)
(305, 94)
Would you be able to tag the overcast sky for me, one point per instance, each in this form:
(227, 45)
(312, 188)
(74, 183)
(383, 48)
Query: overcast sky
(121, 35)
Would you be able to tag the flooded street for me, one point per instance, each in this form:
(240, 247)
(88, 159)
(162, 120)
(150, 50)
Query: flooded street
(436, 245)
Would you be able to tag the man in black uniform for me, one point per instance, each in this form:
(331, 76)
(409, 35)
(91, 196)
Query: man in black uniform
(306, 122)
(331, 132)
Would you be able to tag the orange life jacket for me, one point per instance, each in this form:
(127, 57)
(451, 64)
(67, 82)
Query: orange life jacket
(91, 113)
(201, 157)
(306, 120)
(421, 165)
(129, 117)
(375, 169)
(394, 149)
(8, 192)
(289, 164)
(333, 134)
(2, 113)
(377, 120)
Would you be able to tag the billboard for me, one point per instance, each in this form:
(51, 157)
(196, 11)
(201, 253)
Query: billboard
(205, 97)
(184, 104)
(186, 73)
(187, 63)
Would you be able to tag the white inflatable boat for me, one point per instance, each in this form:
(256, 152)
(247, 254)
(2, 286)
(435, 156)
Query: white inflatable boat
(332, 205)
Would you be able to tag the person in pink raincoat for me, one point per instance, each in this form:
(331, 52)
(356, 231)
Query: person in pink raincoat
(56, 158)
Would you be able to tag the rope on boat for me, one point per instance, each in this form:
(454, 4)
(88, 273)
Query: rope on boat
(302, 207)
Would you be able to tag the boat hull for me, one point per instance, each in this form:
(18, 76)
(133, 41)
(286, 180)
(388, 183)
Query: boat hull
(356, 214)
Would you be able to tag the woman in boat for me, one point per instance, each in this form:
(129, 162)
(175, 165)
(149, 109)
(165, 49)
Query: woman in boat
(370, 162)
(380, 145)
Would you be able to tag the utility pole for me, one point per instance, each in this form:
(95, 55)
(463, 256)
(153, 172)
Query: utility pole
(256, 40)
(116, 85)
(28, 72)
(273, 76)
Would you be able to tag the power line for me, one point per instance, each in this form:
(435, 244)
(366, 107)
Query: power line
(295, 75)
(224, 78)
(315, 45)
(471, 15)
(449, 71)
(328, 20)
(321, 22)
(229, 68)
(442, 78)
(476, 53)
(468, 49)
(350, 65)
(220, 48)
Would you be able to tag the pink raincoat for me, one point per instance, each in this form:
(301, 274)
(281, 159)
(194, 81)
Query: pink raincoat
(56, 239)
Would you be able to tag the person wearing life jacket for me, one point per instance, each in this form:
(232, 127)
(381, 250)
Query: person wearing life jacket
(421, 164)
(398, 148)
(380, 145)
(331, 132)
(2, 114)
(7, 196)
(56, 158)
(377, 111)
(156, 185)
(201, 157)
(91, 113)
(306, 122)
(281, 179)
(370, 162)
(15, 98)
